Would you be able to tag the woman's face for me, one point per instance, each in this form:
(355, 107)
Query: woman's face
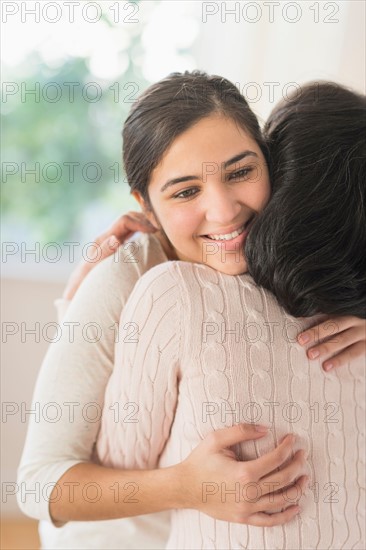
(210, 184)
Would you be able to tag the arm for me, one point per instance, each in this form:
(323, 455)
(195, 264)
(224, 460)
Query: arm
(106, 244)
(73, 377)
(71, 386)
(126, 493)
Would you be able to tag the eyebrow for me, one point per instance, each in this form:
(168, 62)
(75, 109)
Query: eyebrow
(226, 164)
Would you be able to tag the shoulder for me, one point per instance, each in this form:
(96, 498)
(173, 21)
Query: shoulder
(189, 278)
(174, 276)
(161, 289)
(113, 279)
(199, 287)
(193, 283)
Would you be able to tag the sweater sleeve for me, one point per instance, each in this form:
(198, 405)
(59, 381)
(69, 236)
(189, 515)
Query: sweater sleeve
(69, 392)
(142, 393)
(61, 305)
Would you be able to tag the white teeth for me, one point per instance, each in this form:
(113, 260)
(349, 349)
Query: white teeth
(228, 236)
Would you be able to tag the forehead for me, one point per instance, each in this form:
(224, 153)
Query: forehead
(213, 139)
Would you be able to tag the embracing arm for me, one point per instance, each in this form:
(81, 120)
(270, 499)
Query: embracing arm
(57, 454)
(88, 491)
(107, 244)
(70, 389)
(69, 396)
(146, 378)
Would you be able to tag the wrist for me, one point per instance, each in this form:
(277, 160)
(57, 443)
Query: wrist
(173, 483)
(187, 489)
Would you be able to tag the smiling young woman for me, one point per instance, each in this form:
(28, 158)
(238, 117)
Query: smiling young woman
(206, 190)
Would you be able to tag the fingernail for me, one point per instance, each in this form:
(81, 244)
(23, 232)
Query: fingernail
(304, 338)
(328, 366)
(113, 242)
(314, 353)
(259, 428)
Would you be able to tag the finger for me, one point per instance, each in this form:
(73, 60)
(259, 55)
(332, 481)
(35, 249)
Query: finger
(347, 356)
(131, 224)
(104, 250)
(265, 464)
(139, 217)
(261, 519)
(122, 227)
(286, 476)
(289, 495)
(126, 227)
(331, 347)
(327, 329)
(108, 247)
(226, 437)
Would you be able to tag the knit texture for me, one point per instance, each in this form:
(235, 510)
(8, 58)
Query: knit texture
(212, 350)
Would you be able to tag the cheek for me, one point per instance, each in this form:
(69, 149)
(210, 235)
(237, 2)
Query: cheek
(255, 196)
(180, 222)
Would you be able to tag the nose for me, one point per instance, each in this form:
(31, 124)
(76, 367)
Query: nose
(222, 206)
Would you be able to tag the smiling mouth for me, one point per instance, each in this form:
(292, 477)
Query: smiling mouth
(229, 236)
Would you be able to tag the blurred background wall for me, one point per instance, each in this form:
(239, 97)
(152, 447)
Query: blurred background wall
(70, 74)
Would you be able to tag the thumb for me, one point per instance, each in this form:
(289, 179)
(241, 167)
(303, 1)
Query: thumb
(226, 437)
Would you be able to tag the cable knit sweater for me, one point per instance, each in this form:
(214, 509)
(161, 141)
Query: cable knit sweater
(210, 350)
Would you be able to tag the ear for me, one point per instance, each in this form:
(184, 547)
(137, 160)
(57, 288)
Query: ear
(146, 209)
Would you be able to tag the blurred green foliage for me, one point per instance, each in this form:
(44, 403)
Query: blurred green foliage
(37, 130)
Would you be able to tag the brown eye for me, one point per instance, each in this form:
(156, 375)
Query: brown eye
(186, 193)
(240, 174)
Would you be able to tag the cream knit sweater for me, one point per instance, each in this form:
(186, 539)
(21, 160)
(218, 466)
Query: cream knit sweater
(210, 350)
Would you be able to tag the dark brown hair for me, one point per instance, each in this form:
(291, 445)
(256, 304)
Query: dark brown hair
(308, 245)
(168, 108)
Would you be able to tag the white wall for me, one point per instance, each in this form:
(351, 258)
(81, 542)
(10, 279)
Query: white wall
(282, 52)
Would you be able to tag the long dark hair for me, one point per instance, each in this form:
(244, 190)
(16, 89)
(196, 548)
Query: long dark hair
(308, 245)
(168, 108)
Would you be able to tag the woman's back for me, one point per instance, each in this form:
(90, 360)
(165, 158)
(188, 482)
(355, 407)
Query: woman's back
(214, 350)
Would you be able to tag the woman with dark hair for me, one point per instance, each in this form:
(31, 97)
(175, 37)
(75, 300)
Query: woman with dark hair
(312, 259)
(178, 127)
(197, 365)
(201, 177)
